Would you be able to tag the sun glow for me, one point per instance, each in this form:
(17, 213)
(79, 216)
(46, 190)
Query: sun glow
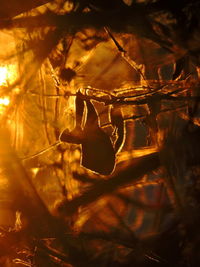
(4, 101)
(8, 75)
(3, 75)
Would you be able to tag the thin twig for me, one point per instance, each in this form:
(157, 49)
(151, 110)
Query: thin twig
(42, 151)
(124, 55)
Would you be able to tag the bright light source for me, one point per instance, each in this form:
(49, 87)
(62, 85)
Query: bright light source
(8, 74)
(4, 101)
(3, 75)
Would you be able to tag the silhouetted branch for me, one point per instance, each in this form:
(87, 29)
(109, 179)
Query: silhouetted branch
(136, 170)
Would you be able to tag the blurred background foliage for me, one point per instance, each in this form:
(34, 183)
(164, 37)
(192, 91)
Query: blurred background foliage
(137, 63)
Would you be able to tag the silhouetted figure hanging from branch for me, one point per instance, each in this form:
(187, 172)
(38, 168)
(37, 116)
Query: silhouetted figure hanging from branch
(97, 150)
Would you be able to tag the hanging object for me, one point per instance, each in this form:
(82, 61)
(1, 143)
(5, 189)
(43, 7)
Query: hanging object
(97, 150)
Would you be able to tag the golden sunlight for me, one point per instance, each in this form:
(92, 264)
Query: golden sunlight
(3, 75)
(5, 101)
(8, 74)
